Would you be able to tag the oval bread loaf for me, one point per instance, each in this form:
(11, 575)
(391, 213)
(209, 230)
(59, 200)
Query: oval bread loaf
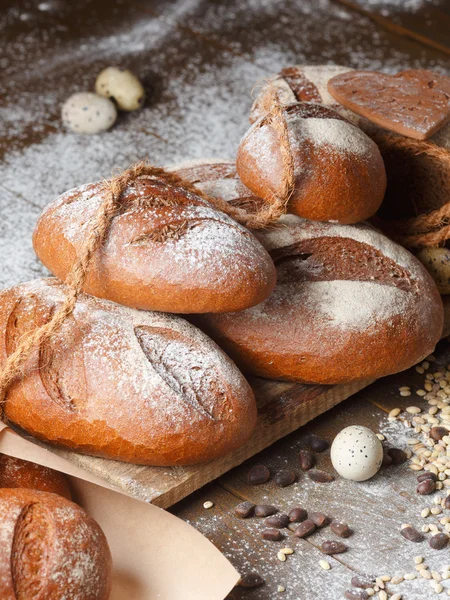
(18, 473)
(349, 304)
(167, 249)
(51, 549)
(338, 171)
(141, 387)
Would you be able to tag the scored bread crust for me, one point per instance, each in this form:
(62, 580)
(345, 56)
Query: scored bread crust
(18, 473)
(140, 387)
(166, 249)
(50, 548)
(349, 304)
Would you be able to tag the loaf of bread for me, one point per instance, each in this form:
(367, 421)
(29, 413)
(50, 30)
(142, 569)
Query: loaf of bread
(140, 387)
(18, 473)
(166, 250)
(417, 181)
(338, 172)
(51, 549)
(349, 304)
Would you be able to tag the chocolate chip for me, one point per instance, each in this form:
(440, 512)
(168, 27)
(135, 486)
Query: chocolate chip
(318, 518)
(427, 475)
(257, 475)
(304, 529)
(279, 521)
(320, 476)
(341, 529)
(272, 535)
(333, 547)
(398, 456)
(447, 502)
(265, 510)
(316, 443)
(387, 460)
(284, 478)
(411, 534)
(439, 541)
(361, 583)
(437, 433)
(356, 595)
(244, 510)
(251, 580)
(307, 460)
(427, 486)
(297, 514)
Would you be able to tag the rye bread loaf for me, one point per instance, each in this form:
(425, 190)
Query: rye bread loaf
(18, 473)
(349, 304)
(140, 387)
(50, 549)
(417, 181)
(167, 249)
(338, 173)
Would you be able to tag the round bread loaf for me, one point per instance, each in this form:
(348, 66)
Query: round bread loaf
(18, 473)
(166, 250)
(349, 304)
(140, 387)
(51, 549)
(338, 171)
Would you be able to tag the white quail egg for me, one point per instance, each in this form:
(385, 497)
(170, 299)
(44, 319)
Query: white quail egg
(85, 112)
(121, 85)
(356, 453)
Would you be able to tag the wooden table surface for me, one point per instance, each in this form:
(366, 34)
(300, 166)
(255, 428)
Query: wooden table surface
(199, 61)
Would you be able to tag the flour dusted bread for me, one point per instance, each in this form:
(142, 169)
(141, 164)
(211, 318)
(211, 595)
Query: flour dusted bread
(51, 549)
(337, 170)
(166, 249)
(349, 304)
(141, 387)
(18, 473)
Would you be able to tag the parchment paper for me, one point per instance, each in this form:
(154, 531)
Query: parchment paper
(156, 556)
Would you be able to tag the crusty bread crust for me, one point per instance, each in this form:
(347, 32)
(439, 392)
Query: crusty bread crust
(50, 548)
(18, 473)
(141, 387)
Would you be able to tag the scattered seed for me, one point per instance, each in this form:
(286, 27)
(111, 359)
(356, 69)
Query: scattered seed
(244, 510)
(436, 510)
(278, 521)
(382, 595)
(287, 550)
(319, 519)
(439, 541)
(320, 476)
(304, 529)
(281, 557)
(297, 514)
(426, 487)
(208, 504)
(425, 513)
(307, 460)
(409, 576)
(257, 475)
(425, 574)
(381, 437)
(413, 410)
(396, 597)
(281, 588)
(436, 576)
(341, 529)
(405, 393)
(411, 534)
(333, 547)
(316, 443)
(387, 460)
(356, 595)
(447, 502)
(272, 535)
(427, 475)
(438, 588)
(418, 560)
(284, 478)
(437, 433)
(265, 510)
(251, 580)
(361, 583)
(398, 456)
(325, 565)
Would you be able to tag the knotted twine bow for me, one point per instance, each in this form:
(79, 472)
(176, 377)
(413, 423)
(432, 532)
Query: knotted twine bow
(113, 189)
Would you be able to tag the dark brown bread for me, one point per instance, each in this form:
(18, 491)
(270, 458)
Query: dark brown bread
(349, 304)
(50, 549)
(338, 171)
(17, 473)
(141, 387)
(166, 250)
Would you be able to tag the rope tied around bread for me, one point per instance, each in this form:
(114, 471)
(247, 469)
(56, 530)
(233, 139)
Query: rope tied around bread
(113, 190)
(430, 229)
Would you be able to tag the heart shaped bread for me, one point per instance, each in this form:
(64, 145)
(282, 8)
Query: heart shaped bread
(167, 249)
(414, 103)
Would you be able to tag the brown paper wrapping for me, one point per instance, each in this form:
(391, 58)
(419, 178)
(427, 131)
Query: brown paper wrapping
(156, 556)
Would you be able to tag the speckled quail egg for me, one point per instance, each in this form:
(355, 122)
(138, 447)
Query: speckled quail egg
(85, 112)
(356, 453)
(121, 85)
(437, 262)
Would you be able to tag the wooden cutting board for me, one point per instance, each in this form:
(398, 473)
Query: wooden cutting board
(282, 408)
